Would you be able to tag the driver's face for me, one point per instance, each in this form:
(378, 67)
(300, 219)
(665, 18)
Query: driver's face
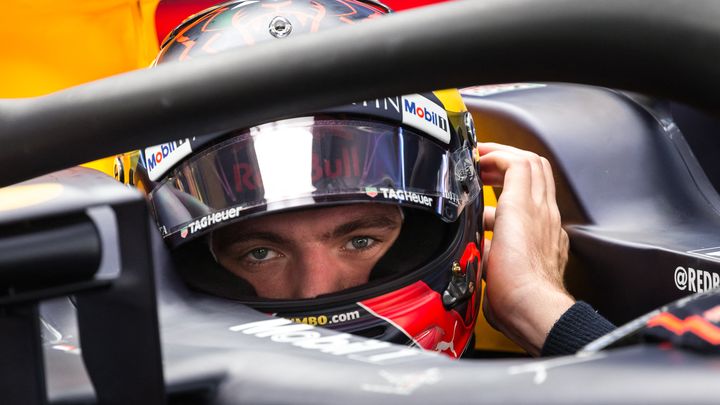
(304, 254)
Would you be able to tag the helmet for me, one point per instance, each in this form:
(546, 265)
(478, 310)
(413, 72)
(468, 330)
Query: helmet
(246, 22)
(414, 152)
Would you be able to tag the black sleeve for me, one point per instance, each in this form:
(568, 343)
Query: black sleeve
(577, 327)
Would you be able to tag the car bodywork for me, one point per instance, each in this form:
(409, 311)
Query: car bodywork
(638, 207)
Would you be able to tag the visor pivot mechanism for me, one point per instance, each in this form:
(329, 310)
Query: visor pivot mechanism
(461, 286)
(280, 27)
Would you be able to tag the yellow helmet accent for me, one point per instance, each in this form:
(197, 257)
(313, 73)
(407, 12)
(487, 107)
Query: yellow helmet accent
(451, 99)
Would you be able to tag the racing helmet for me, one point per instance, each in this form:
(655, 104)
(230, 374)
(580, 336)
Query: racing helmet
(414, 152)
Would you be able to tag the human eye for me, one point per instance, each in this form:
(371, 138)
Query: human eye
(359, 243)
(259, 255)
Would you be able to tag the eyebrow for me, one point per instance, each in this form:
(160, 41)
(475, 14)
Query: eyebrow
(378, 221)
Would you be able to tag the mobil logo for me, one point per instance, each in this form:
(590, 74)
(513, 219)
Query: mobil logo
(160, 158)
(154, 155)
(421, 113)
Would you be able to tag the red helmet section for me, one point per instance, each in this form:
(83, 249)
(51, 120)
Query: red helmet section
(418, 311)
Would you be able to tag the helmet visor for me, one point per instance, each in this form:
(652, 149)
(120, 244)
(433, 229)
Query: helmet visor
(307, 162)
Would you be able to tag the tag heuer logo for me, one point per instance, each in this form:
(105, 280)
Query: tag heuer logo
(184, 233)
(371, 191)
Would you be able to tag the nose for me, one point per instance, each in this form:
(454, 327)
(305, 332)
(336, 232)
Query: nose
(319, 271)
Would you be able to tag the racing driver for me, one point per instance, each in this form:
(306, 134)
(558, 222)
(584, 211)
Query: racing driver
(373, 209)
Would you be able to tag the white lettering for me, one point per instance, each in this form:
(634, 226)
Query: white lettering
(695, 280)
(395, 102)
(326, 344)
(291, 337)
(403, 195)
(281, 330)
(707, 281)
(699, 280)
(691, 279)
(359, 347)
(348, 316)
(214, 218)
(309, 337)
(260, 324)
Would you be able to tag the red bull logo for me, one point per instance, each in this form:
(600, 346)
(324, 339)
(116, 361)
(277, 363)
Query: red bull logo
(346, 163)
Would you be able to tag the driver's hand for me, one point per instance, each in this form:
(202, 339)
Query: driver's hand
(525, 262)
